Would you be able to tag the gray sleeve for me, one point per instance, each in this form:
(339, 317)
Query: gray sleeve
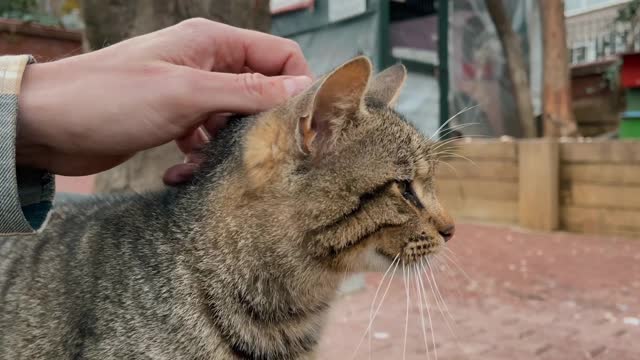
(26, 195)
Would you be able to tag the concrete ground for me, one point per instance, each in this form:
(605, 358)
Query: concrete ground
(527, 296)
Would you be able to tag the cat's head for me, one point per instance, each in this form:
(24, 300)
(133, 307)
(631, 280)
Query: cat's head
(337, 169)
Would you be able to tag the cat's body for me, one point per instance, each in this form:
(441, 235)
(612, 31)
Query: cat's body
(244, 262)
(125, 278)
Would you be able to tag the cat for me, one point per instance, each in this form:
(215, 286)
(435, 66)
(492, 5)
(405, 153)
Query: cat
(244, 261)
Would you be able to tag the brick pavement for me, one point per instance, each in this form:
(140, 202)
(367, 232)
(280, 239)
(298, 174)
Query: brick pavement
(528, 296)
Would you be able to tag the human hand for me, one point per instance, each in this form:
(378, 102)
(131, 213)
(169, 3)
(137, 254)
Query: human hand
(88, 113)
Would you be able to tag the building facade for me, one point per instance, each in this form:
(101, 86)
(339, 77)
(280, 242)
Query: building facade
(593, 34)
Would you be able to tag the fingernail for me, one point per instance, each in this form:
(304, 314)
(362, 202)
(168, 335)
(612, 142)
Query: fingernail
(203, 136)
(194, 158)
(296, 84)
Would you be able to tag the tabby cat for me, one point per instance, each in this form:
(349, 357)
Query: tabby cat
(244, 261)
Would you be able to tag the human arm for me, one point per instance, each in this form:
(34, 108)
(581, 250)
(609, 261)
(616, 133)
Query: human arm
(88, 113)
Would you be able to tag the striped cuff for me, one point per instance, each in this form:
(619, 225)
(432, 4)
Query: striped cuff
(26, 195)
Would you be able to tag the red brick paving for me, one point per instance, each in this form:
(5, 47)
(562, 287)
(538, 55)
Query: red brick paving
(529, 296)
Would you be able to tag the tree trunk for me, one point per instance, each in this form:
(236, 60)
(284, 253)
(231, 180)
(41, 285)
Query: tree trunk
(515, 65)
(558, 112)
(108, 22)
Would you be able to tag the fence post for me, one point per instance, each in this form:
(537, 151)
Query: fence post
(538, 201)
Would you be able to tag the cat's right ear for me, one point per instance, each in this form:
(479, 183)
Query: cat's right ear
(385, 87)
(332, 103)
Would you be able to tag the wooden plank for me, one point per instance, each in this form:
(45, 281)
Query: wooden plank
(580, 228)
(607, 151)
(477, 189)
(481, 169)
(482, 210)
(539, 182)
(612, 174)
(612, 197)
(600, 220)
(485, 149)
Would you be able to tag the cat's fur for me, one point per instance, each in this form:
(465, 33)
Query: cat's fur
(244, 262)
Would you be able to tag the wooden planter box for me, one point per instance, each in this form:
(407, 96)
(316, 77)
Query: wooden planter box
(542, 184)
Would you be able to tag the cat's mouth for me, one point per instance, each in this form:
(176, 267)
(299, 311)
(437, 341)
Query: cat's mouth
(415, 249)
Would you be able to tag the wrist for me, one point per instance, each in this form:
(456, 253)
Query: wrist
(31, 145)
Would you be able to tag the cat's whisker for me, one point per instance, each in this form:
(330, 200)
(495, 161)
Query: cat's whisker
(451, 330)
(420, 302)
(435, 296)
(447, 146)
(450, 119)
(456, 138)
(457, 127)
(448, 272)
(456, 155)
(455, 256)
(375, 297)
(439, 300)
(458, 266)
(377, 309)
(435, 283)
(452, 253)
(438, 145)
(405, 278)
(426, 304)
(438, 264)
(451, 167)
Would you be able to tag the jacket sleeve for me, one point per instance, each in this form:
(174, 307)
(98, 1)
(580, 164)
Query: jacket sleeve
(26, 195)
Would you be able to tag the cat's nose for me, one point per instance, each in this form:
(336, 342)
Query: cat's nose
(447, 232)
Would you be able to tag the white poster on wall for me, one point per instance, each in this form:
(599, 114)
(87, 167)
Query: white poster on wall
(344, 9)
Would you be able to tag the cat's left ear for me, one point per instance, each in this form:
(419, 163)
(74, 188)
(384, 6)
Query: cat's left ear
(334, 103)
(385, 87)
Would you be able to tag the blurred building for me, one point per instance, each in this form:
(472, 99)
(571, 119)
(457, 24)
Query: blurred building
(593, 33)
(480, 85)
(331, 32)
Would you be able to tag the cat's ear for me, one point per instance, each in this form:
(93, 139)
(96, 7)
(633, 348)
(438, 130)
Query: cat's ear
(385, 87)
(334, 100)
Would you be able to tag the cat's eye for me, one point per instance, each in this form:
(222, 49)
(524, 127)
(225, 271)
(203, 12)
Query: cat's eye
(409, 194)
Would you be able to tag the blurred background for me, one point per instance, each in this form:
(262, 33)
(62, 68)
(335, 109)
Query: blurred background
(541, 98)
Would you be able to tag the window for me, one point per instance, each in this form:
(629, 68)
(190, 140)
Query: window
(573, 6)
(579, 54)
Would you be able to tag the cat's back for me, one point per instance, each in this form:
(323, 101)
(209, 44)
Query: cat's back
(69, 220)
(50, 281)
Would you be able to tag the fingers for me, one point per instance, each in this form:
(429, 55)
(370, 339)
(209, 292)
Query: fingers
(193, 141)
(271, 55)
(215, 123)
(179, 174)
(241, 93)
(228, 49)
(190, 145)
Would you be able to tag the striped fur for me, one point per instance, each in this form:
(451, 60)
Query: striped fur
(245, 261)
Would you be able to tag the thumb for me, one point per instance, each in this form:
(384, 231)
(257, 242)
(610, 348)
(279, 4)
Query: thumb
(245, 93)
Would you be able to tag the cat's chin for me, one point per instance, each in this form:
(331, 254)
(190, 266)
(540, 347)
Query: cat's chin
(376, 260)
